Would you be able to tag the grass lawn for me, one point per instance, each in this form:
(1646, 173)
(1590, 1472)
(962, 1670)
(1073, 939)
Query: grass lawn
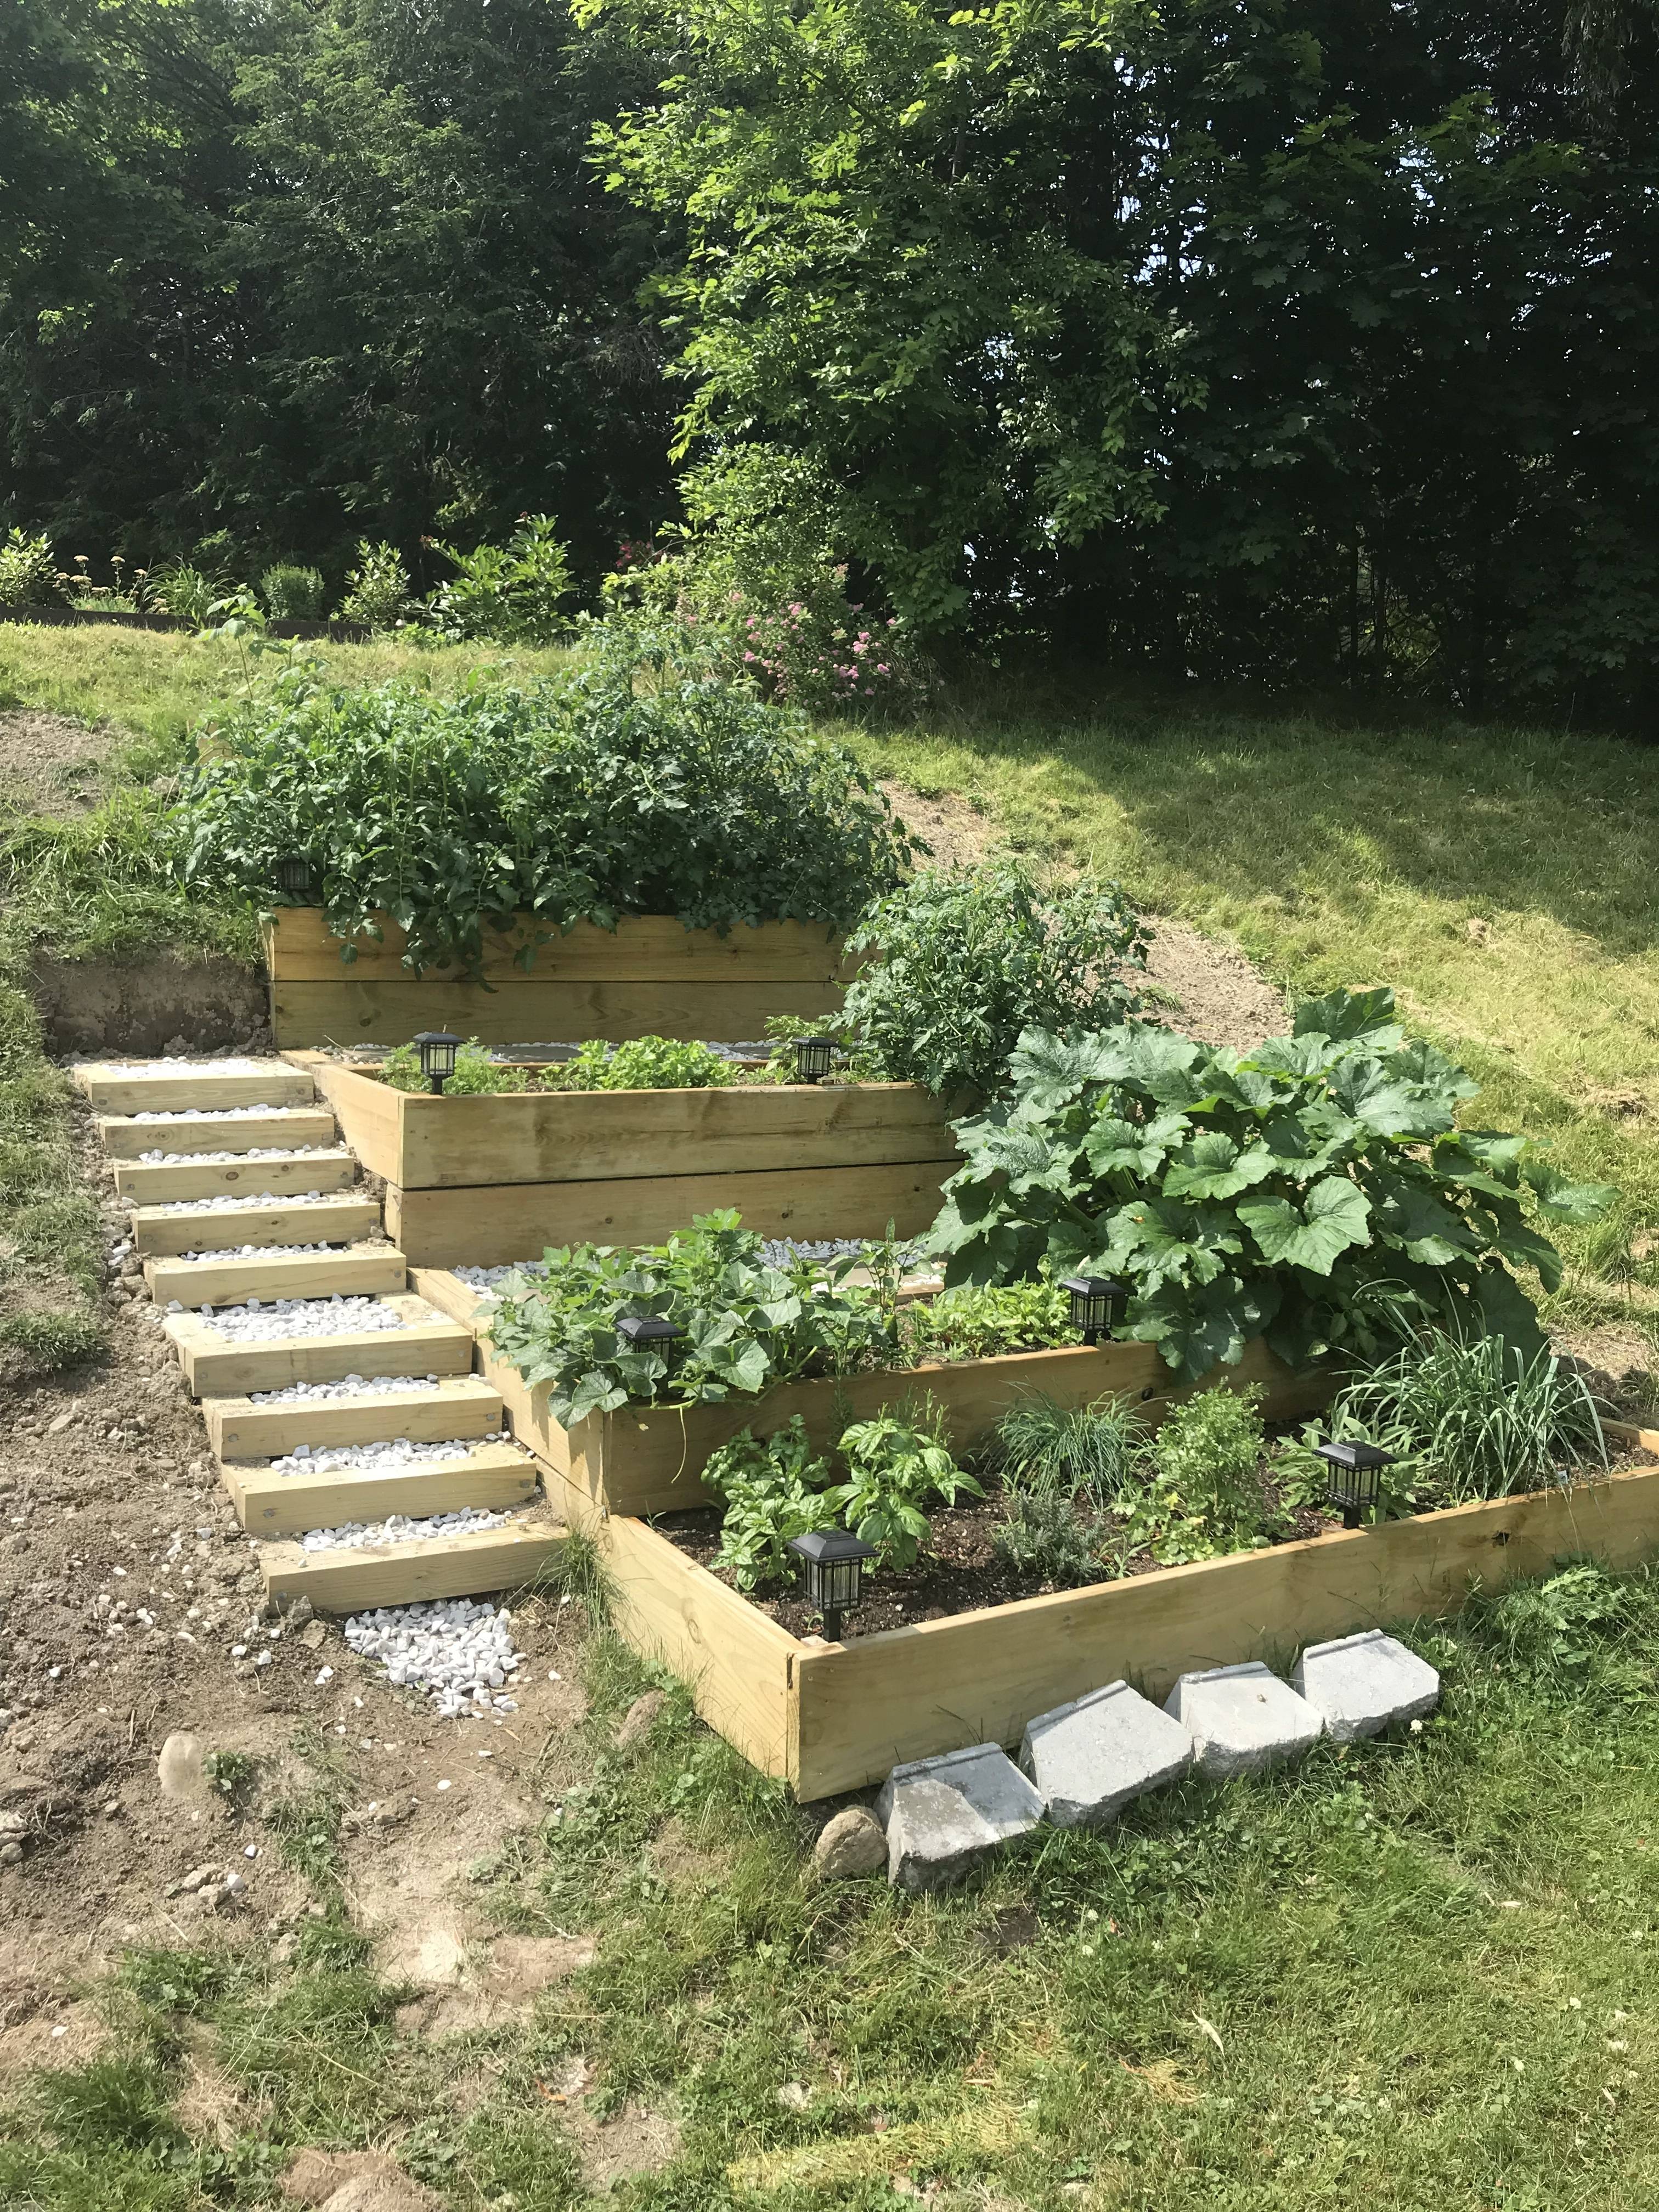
(1419, 1977)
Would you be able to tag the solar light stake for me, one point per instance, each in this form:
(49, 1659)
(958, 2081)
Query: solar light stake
(1354, 1478)
(294, 875)
(1098, 1304)
(437, 1048)
(834, 1560)
(814, 1057)
(639, 1331)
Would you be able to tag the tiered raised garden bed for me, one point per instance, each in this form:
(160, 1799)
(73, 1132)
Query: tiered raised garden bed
(648, 977)
(478, 1182)
(831, 1717)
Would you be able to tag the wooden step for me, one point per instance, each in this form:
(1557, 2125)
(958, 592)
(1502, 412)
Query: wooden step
(370, 1270)
(214, 1368)
(115, 1089)
(124, 1138)
(399, 1574)
(500, 1477)
(143, 1183)
(425, 1413)
(334, 1220)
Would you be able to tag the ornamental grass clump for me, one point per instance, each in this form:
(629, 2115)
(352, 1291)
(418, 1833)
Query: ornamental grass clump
(630, 785)
(1043, 1450)
(1313, 1190)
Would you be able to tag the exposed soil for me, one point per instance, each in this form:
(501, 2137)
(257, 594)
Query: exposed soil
(957, 832)
(146, 1007)
(1220, 998)
(48, 764)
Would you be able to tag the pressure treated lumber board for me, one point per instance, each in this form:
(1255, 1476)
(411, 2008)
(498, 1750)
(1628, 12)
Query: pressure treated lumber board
(142, 1183)
(123, 1137)
(217, 1368)
(401, 1574)
(358, 1271)
(159, 1234)
(532, 1012)
(426, 1412)
(113, 1088)
(978, 1678)
(736, 1660)
(439, 1288)
(641, 949)
(498, 1477)
(648, 1459)
(486, 1227)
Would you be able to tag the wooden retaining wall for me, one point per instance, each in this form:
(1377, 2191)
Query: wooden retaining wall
(650, 976)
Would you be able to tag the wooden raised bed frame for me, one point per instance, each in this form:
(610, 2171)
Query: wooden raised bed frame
(648, 976)
(480, 1181)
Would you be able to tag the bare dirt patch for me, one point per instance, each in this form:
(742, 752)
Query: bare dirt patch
(1220, 998)
(161, 1004)
(48, 764)
(957, 832)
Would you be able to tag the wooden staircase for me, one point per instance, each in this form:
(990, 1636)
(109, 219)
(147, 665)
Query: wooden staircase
(199, 1260)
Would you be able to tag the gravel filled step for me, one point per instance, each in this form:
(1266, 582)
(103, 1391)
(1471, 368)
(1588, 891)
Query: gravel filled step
(425, 1411)
(419, 1342)
(496, 1477)
(401, 1573)
(330, 1217)
(140, 1086)
(236, 1175)
(374, 1270)
(236, 1129)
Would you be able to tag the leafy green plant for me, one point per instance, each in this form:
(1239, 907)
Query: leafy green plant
(984, 1320)
(377, 592)
(1551, 1629)
(961, 965)
(646, 1063)
(747, 1325)
(293, 593)
(1477, 1417)
(510, 592)
(1042, 1534)
(895, 1464)
(1044, 1450)
(28, 575)
(772, 1490)
(477, 1075)
(229, 1771)
(628, 785)
(183, 589)
(1205, 1496)
(1313, 1190)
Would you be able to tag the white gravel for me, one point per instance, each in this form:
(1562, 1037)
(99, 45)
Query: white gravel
(217, 1113)
(266, 1251)
(458, 1651)
(349, 1386)
(486, 1279)
(272, 1320)
(375, 1459)
(259, 1153)
(398, 1529)
(232, 1203)
(177, 1064)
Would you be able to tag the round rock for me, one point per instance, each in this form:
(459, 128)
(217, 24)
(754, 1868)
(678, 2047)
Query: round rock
(179, 1769)
(852, 1843)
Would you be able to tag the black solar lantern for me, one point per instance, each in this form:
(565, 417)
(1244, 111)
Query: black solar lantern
(814, 1058)
(437, 1048)
(1354, 1478)
(648, 1333)
(1098, 1304)
(833, 1558)
(294, 875)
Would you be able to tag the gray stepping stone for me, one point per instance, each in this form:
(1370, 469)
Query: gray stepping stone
(1243, 1718)
(1360, 1684)
(944, 1815)
(1090, 1758)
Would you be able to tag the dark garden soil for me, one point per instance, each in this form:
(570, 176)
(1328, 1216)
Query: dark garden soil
(960, 1572)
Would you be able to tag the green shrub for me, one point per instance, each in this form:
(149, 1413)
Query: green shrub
(962, 965)
(1476, 1417)
(895, 1464)
(618, 788)
(28, 575)
(1313, 1190)
(292, 594)
(51, 1341)
(646, 1063)
(1042, 1535)
(771, 1491)
(181, 588)
(1042, 1449)
(477, 1075)
(1205, 1498)
(510, 592)
(377, 594)
(747, 1325)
